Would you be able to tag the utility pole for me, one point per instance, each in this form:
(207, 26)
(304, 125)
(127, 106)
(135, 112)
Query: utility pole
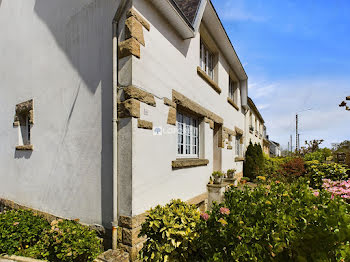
(298, 142)
(291, 144)
(296, 133)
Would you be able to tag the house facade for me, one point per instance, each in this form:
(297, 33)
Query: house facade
(255, 125)
(275, 149)
(110, 108)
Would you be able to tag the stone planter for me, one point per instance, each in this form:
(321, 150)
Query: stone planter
(7, 258)
(216, 193)
(231, 181)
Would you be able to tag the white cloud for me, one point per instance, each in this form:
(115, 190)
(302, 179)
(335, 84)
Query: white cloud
(280, 102)
(258, 90)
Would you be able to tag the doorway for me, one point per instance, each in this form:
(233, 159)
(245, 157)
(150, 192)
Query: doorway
(217, 144)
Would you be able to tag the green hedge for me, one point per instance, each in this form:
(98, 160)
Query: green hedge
(24, 233)
(279, 222)
(317, 171)
(19, 230)
(283, 223)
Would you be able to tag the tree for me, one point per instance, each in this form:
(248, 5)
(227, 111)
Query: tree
(312, 146)
(254, 161)
(342, 147)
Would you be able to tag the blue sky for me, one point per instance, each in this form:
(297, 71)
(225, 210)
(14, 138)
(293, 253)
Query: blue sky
(297, 57)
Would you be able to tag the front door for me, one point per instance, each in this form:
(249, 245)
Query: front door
(217, 141)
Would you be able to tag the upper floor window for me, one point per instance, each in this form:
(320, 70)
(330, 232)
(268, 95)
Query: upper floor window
(233, 91)
(238, 146)
(207, 60)
(188, 136)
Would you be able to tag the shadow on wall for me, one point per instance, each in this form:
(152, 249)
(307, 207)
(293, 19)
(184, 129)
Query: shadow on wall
(160, 23)
(83, 31)
(22, 154)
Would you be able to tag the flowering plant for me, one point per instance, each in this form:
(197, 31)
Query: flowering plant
(277, 223)
(339, 188)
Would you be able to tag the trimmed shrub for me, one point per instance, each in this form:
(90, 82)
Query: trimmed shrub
(171, 232)
(67, 241)
(19, 230)
(320, 155)
(26, 234)
(254, 161)
(272, 166)
(276, 223)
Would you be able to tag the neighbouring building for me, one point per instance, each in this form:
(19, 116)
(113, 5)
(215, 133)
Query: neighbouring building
(112, 107)
(266, 143)
(275, 149)
(254, 125)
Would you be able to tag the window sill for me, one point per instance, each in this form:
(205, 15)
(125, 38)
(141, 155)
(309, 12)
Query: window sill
(230, 101)
(25, 148)
(210, 81)
(239, 159)
(191, 162)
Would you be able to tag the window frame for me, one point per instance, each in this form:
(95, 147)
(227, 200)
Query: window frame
(207, 64)
(194, 131)
(238, 146)
(233, 90)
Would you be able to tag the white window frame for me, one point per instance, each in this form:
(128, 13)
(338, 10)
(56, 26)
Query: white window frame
(184, 121)
(238, 146)
(206, 60)
(233, 90)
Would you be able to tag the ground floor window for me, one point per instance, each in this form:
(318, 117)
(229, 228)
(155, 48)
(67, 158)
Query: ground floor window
(188, 136)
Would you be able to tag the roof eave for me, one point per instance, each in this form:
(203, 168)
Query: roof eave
(226, 45)
(175, 17)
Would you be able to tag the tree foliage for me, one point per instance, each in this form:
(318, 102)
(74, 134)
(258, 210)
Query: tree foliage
(254, 161)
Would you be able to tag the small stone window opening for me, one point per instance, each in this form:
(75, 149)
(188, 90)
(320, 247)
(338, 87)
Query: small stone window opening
(24, 119)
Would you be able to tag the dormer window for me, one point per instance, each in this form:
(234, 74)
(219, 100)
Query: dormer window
(207, 60)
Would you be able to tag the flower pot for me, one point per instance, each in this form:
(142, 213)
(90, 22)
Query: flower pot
(217, 179)
(230, 175)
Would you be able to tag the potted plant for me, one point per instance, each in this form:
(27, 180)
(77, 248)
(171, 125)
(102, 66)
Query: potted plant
(231, 173)
(217, 177)
(244, 180)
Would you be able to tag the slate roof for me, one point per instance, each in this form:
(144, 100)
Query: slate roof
(188, 9)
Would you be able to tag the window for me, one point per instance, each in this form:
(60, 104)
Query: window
(24, 120)
(238, 146)
(233, 91)
(207, 60)
(188, 136)
(25, 132)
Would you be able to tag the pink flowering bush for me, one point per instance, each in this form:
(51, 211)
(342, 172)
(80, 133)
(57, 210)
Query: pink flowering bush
(317, 172)
(338, 188)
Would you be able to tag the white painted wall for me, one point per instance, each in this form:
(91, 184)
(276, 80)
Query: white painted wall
(58, 52)
(168, 62)
(252, 136)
